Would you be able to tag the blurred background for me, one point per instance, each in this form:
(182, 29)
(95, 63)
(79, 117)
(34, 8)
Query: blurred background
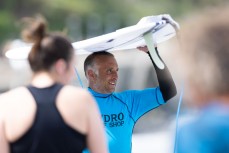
(83, 19)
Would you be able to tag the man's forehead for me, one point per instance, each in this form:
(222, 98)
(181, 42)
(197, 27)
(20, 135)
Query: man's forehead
(105, 61)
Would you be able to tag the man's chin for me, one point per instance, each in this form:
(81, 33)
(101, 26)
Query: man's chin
(111, 90)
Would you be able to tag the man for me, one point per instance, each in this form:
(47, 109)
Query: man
(120, 111)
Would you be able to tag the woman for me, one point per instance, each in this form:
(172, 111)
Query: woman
(205, 71)
(49, 116)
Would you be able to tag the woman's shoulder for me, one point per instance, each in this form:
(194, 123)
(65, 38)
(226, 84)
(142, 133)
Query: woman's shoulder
(13, 93)
(10, 98)
(71, 92)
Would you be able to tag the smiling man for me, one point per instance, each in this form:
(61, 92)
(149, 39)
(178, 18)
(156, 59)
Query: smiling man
(101, 69)
(120, 111)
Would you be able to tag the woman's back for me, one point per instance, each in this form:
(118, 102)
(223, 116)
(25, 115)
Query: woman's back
(48, 132)
(49, 119)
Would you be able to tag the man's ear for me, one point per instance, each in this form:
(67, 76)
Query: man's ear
(60, 66)
(90, 74)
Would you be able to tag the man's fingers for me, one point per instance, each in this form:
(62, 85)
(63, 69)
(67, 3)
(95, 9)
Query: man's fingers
(143, 48)
(170, 20)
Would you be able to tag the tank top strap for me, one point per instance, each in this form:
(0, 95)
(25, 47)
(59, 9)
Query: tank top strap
(47, 94)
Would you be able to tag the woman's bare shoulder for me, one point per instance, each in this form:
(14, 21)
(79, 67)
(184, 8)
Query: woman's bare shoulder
(76, 90)
(11, 97)
(70, 93)
(11, 94)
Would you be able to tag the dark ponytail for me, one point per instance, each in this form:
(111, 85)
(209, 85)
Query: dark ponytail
(47, 48)
(35, 29)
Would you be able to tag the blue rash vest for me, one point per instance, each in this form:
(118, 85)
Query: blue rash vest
(207, 133)
(120, 111)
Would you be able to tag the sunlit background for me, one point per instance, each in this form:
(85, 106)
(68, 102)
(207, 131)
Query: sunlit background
(82, 19)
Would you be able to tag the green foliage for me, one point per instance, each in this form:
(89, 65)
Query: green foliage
(7, 26)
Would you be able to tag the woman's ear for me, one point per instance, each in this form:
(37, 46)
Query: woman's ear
(60, 66)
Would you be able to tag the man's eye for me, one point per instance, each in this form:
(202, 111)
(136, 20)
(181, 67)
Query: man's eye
(109, 71)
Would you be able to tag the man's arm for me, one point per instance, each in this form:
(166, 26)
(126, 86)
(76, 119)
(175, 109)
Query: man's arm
(165, 80)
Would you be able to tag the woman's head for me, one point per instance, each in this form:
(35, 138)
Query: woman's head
(205, 54)
(48, 49)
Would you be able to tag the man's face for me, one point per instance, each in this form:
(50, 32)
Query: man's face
(106, 74)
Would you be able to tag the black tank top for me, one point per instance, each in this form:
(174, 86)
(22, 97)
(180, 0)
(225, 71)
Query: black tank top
(49, 133)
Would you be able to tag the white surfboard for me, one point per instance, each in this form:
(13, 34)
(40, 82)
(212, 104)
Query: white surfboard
(122, 39)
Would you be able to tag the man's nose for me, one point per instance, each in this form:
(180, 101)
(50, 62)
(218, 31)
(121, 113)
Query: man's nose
(115, 74)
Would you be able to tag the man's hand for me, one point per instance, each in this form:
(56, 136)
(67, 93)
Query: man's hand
(143, 48)
(156, 18)
(170, 20)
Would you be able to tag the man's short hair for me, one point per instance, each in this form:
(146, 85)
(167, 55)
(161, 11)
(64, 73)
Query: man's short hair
(89, 61)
